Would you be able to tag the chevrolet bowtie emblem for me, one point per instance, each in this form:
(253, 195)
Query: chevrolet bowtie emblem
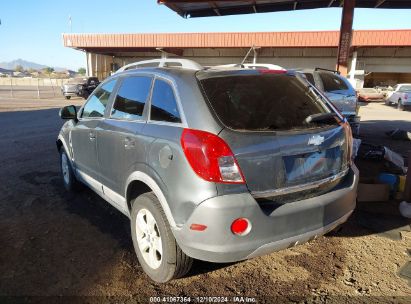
(316, 140)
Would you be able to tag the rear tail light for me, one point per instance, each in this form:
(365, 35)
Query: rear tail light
(406, 96)
(210, 157)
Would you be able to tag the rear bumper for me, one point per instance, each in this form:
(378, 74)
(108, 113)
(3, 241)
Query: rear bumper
(371, 99)
(70, 93)
(273, 229)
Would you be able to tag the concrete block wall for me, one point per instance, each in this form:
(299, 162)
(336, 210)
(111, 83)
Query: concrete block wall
(370, 59)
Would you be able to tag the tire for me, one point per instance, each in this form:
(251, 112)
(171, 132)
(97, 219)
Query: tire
(387, 102)
(400, 105)
(67, 97)
(69, 179)
(171, 262)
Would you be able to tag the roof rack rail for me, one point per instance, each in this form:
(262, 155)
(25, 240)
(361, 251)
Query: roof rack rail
(328, 70)
(185, 64)
(269, 66)
(226, 66)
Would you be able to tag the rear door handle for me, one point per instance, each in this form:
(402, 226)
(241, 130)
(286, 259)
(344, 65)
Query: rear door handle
(129, 143)
(92, 136)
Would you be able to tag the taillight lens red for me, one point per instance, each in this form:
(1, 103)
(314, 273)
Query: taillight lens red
(210, 157)
(406, 96)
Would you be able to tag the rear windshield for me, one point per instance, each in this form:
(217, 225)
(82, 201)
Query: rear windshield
(261, 102)
(333, 83)
(405, 88)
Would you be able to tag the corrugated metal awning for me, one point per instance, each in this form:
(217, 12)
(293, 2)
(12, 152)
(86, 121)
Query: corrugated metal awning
(107, 43)
(204, 8)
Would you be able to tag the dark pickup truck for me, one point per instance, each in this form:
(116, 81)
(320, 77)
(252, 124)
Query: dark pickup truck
(80, 87)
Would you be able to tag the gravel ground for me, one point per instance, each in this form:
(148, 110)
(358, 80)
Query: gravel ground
(56, 244)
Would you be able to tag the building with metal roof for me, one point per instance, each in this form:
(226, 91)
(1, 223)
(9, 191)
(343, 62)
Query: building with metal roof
(379, 53)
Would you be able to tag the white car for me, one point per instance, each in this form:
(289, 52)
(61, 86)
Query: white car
(401, 96)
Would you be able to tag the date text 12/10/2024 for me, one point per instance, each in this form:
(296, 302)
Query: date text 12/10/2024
(202, 299)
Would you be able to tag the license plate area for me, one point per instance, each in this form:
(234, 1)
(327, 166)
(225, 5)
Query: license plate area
(312, 166)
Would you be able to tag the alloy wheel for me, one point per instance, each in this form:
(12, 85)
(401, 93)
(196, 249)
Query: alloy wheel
(65, 168)
(149, 238)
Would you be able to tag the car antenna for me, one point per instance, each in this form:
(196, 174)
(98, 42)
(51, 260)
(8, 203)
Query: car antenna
(254, 49)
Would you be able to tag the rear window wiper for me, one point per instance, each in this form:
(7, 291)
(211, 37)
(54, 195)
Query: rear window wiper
(321, 118)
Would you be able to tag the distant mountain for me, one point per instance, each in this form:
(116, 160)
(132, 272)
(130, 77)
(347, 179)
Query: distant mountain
(5, 71)
(11, 65)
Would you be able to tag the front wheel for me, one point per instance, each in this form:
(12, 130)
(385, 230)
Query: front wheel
(387, 102)
(69, 180)
(400, 105)
(156, 248)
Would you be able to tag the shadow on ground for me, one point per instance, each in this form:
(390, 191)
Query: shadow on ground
(55, 243)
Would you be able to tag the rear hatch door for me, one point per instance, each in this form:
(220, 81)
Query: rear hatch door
(275, 161)
(265, 119)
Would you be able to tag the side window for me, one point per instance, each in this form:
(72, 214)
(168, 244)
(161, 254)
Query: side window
(310, 78)
(131, 98)
(163, 103)
(97, 103)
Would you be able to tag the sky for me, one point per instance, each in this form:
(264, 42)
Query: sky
(32, 30)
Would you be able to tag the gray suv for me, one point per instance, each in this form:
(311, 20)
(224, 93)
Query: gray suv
(217, 164)
(339, 91)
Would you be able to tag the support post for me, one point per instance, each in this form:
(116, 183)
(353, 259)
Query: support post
(345, 39)
(11, 86)
(38, 88)
(255, 55)
(87, 65)
(353, 68)
(96, 67)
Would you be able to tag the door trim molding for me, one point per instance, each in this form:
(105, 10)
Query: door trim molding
(110, 196)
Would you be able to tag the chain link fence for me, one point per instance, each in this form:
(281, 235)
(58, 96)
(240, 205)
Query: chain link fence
(31, 87)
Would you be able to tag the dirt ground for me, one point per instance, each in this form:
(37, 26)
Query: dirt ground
(56, 244)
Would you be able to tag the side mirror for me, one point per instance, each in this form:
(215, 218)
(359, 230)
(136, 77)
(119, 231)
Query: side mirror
(68, 112)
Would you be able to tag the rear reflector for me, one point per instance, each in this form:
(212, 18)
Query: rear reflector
(210, 157)
(198, 227)
(241, 226)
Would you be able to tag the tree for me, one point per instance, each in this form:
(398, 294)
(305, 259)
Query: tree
(19, 68)
(81, 71)
(48, 70)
